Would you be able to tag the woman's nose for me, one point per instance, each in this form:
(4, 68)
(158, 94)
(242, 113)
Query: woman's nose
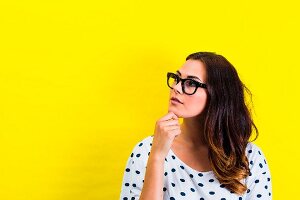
(178, 87)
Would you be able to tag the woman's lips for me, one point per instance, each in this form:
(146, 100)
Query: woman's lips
(175, 100)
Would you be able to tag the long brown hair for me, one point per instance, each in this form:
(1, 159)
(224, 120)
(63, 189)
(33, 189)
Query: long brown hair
(228, 122)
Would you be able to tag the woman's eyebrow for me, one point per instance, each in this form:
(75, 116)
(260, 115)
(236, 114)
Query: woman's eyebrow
(189, 76)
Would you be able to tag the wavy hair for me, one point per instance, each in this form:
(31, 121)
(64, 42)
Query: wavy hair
(228, 123)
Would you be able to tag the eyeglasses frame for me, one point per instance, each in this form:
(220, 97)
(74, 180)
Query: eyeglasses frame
(182, 80)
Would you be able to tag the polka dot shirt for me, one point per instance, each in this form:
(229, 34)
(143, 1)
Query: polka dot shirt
(184, 182)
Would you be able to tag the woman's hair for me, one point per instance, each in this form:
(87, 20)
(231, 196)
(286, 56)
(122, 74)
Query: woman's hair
(228, 122)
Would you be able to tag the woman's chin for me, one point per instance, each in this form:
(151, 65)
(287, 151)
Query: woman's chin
(175, 111)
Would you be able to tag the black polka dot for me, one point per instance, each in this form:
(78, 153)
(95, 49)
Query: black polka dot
(132, 198)
(187, 190)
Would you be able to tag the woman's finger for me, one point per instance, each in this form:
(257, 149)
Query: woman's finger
(169, 122)
(169, 116)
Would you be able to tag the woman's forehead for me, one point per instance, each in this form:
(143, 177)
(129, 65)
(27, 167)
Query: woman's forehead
(193, 68)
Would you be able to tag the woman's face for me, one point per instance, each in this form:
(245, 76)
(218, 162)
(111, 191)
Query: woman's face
(192, 105)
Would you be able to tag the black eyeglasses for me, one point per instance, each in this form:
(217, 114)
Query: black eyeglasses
(189, 86)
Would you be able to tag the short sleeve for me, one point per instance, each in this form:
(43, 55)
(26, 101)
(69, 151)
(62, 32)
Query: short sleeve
(259, 181)
(134, 173)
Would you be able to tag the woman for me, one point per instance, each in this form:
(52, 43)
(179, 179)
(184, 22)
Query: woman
(209, 155)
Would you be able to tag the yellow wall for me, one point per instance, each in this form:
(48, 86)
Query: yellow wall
(81, 82)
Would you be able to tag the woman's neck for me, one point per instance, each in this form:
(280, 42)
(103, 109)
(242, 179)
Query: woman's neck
(192, 132)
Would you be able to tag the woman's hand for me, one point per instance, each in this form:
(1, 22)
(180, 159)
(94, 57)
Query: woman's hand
(166, 129)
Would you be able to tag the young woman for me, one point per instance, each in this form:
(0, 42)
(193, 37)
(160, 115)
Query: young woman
(209, 155)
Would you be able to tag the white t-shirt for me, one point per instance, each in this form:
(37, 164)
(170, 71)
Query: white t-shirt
(182, 182)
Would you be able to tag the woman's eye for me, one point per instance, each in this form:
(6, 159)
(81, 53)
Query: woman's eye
(190, 83)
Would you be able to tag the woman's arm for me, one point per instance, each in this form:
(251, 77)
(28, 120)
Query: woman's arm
(153, 182)
(259, 182)
(166, 129)
(143, 177)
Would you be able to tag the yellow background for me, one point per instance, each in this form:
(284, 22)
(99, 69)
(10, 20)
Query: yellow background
(81, 82)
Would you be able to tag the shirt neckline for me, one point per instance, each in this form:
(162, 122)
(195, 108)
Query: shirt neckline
(190, 168)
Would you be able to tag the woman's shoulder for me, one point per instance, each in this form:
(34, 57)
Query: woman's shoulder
(143, 146)
(253, 150)
(147, 141)
(256, 157)
(259, 179)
